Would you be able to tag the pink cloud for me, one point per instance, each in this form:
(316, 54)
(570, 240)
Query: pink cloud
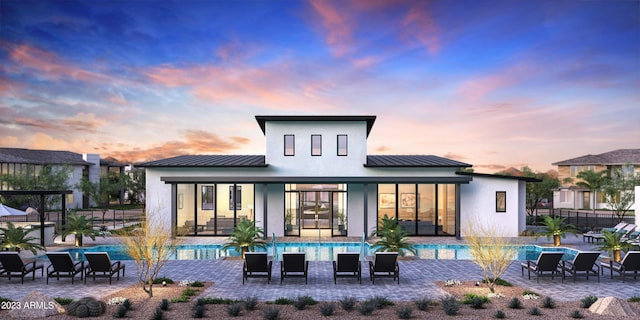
(419, 25)
(339, 31)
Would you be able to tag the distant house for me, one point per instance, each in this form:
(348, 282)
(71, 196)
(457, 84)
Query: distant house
(317, 179)
(570, 196)
(18, 162)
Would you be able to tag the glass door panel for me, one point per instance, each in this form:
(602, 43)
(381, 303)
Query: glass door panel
(292, 214)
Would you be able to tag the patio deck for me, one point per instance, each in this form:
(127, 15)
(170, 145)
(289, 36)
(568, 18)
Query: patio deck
(417, 278)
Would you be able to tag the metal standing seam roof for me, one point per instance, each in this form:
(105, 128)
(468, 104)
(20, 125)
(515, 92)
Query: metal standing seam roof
(616, 157)
(20, 155)
(412, 161)
(262, 120)
(208, 161)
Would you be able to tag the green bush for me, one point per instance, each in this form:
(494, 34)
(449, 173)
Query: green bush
(63, 301)
(499, 314)
(576, 314)
(164, 304)
(283, 301)
(367, 308)
(535, 312)
(379, 302)
(198, 311)
(204, 301)
(327, 309)
(404, 312)
(180, 299)
(158, 314)
(423, 303)
(189, 292)
(271, 313)
(234, 309)
(634, 299)
(348, 303)
(588, 301)
(3, 299)
(548, 303)
(469, 297)
(515, 303)
(159, 280)
(250, 303)
(450, 305)
(499, 282)
(121, 312)
(197, 284)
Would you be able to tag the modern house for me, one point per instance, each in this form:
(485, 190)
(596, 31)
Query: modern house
(27, 162)
(317, 179)
(571, 196)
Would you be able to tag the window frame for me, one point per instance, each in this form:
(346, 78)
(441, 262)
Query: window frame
(313, 136)
(346, 145)
(293, 145)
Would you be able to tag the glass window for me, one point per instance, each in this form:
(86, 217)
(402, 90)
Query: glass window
(316, 145)
(235, 200)
(342, 144)
(289, 145)
(207, 197)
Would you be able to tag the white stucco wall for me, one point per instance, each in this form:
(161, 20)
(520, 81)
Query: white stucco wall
(637, 207)
(478, 203)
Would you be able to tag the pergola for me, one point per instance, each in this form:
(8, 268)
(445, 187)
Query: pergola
(42, 194)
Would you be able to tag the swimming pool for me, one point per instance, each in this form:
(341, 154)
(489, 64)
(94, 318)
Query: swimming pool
(324, 251)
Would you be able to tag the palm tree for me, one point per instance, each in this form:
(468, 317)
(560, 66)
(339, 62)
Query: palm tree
(613, 242)
(556, 228)
(393, 238)
(17, 239)
(245, 237)
(79, 226)
(594, 181)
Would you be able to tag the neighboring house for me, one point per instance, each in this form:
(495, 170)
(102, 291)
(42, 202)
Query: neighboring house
(570, 196)
(18, 161)
(317, 179)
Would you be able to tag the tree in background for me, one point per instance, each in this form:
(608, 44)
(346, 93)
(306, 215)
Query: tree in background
(594, 181)
(150, 247)
(491, 249)
(135, 184)
(536, 191)
(47, 177)
(619, 191)
(102, 191)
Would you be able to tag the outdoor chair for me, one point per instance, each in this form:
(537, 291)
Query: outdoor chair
(100, 266)
(347, 264)
(385, 265)
(548, 261)
(630, 263)
(62, 266)
(590, 236)
(584, 262)
(294, 264)
(628, 228)
(12, 265)
(256, 266)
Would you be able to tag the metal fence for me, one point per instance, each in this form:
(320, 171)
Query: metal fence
(588, 220)
(112, 219)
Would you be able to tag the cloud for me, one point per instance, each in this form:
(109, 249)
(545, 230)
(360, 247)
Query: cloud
(454, 156)
(338, 29)
(419, 25)
(84, 122)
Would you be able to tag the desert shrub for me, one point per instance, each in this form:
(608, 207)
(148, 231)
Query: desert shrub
(348, 303)
(63, 301)
(159, 280)
(198, 311)
(379, 302)
(367, 308)
(634, 299)
(477, 303)
(499, 314)
(181, 299)
(469, 297)
(588, 301)
(283, 301)
(515, 303)
(548, 303)
(3, 299)
(250, 303)
(189, 292)
(121, 312)
(535, 311)
(423, 303)
(405, 312)
(196, 284)
(164, 304)
(127, 304)
(216, 301)
(576, 314)
(327, 309)
(234, 309)
(498, 281)
(271, 313)
(450, 305)
(302, 301)
(158, 314)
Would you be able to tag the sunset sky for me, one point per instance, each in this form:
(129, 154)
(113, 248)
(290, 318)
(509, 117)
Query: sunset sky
(493, 83)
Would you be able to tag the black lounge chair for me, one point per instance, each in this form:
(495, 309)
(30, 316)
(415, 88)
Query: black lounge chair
(585, 263)
(384, 266)
(294, 264)
(256, 266)
(347, 264)
(100, 266)
(62, 266)
(548, 261)
(630, 263)
(12, 265)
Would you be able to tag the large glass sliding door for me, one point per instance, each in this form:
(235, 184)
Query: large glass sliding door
(308, 208)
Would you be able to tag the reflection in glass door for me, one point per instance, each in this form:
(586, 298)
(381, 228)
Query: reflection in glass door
(316, 210)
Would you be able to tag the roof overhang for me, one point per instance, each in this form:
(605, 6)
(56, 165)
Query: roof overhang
(368, 119)
(273, 180)
(499, 176)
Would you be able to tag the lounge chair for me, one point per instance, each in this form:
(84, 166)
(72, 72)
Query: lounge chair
(62, 266)
(630, 263)
(590, 236)
(584, 262)
(548, 261)
(294, 264)
(100, 266)
(347, 264)
(385, 265)
(12, 265)
(624, 231)
(256, 266)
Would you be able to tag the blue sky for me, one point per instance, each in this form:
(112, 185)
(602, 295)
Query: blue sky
(492, 83)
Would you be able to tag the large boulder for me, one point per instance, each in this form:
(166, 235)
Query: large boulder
(612, 306)
(36, 305)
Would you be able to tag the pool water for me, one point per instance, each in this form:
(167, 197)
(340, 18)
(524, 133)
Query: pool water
(325, 251)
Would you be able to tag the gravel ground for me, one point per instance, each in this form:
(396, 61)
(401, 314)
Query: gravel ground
(144, 307)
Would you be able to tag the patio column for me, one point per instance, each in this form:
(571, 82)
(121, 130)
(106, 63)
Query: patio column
(366, 209)
(42, 219)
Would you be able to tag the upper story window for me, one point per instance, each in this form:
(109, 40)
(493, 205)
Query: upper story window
(342, 144)
(577, 169)
(289, 145)
(316, 145)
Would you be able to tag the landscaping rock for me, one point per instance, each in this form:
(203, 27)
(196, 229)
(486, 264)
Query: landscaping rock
(36, 305)
(612, 306)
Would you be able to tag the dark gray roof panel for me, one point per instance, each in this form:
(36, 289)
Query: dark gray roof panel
(412, 161)
(369, 119)
(19, 155)
(316, 179)
(208, 161)
(616, 157)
